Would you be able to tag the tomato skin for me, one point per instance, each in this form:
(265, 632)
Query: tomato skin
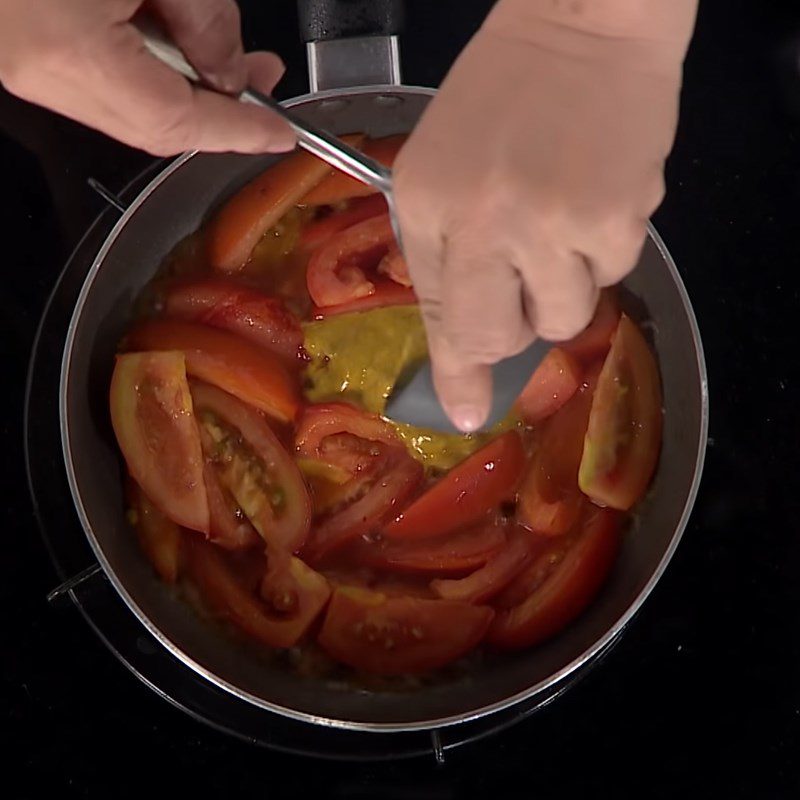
(241, 368)
(387, 293)
(337, 272)
(399, 635)
(469, 491)
(230, 598)
(623, 440)
(286, 531)
(452, 554)
(237, 227)
(317, 233)
(595, 341)
(337, 186)
(567, 591)
(153, 420)
(255, 316)
(499, 571)
(553, 383)
(159, 537)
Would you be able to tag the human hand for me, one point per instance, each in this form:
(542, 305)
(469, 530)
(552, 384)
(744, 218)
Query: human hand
(529, 181)
(84, 59)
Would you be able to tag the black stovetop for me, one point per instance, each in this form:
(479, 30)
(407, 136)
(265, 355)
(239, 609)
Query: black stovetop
(701, 695)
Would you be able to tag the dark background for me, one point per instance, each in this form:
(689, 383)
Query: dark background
(701, 696)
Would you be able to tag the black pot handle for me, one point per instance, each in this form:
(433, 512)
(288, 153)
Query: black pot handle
(325, 20)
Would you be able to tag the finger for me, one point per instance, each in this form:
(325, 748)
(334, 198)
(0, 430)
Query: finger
(483, 322)
(464, 390)
(560, 292)
(209, 34)
(156, 109)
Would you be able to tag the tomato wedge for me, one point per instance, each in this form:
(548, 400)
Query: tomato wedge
(159, 537)
(239, 367)
(623, 440)
(467, 493)
(567, 591)
(594, 342)
(255, 316)
(382, 491)
(399, 635)
(496, 574)
(337, 272)
(387, 293)
(452, 554)
(337, 186)
(237, 227)
(328, 419)
(549, 498)
(316, 233)
(229, 527)
(230, 598)
(153, 419)
(255, 468)
(555, 380)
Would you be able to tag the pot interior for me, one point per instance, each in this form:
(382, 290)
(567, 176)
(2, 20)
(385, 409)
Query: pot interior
(174, 206)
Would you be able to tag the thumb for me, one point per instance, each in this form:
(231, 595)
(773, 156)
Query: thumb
(464, 389)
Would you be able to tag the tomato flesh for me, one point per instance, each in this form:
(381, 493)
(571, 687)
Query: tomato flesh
(255, 316)
(387, 293)
(399, 635)
(241, 368)
(229, 527)
(255, 468)
(567, 591)
(595, 341)
(155, 427)
(553, 383)
(318, 232)
(467, 493)
(232, 599)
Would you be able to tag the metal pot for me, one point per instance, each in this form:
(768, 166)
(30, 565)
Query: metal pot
(342, 59)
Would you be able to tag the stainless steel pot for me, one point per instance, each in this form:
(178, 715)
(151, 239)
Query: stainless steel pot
(355, 87)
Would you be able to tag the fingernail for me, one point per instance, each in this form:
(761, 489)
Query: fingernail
(468, 418)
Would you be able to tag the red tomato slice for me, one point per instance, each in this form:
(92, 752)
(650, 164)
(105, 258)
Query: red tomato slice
(567, 591)
(153, 419)
(337, 186)
(594, 342)
(623, 440)
(496, 574)
(328, 419)
(387, 293)
(262, 319)
(453, 554)
(159, 537)
(384, 490)
(399, 635)
(549, 498)
(229, 527)
(253, 210)
(337, 272)
(320, 231)
(555, 380)
(271, 491)
(232, 599)
(239, 367)
(467, 493)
